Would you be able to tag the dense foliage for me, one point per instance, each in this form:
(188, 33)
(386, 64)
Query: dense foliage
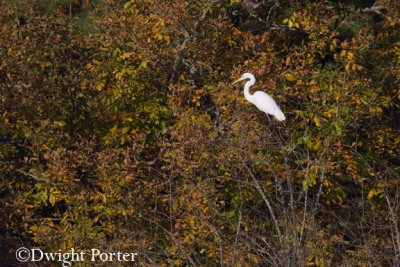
(120, 130)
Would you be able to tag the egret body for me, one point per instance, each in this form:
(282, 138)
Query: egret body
(261, 100)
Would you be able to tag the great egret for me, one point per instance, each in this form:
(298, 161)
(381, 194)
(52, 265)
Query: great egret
(261, 100)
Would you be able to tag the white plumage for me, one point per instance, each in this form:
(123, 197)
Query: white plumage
(261, 100)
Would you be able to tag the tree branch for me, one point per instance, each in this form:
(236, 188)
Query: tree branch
(375, 9)
(260, 190)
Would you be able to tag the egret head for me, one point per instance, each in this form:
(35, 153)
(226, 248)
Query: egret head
(245, 76)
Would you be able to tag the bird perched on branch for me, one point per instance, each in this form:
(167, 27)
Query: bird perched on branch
(261, 100)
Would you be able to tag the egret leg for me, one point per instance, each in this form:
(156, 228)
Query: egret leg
(269, 124)
(269, 119)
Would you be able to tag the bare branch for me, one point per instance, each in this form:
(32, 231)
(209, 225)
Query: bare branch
(33, 176)
(237, 235)
(377, 9)
(271, 211)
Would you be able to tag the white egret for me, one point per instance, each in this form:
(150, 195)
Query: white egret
(261, 100)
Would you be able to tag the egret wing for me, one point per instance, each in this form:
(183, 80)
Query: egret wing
(267, 104)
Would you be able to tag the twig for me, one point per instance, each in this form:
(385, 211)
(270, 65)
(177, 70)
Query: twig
(237, 232)
(259, 189)
(375, 9)
(33, 176)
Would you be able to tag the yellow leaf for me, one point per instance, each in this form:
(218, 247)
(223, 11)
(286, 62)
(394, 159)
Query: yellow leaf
(317, 121)
(100, 86)
(350, 55)
(186, 238)
(370, 194)
(143, 64)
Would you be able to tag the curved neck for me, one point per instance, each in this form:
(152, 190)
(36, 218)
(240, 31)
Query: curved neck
(247, 86)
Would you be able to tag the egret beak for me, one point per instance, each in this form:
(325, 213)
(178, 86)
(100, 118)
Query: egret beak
(238, 80)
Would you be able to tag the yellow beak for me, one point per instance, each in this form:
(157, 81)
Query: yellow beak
(238, 80)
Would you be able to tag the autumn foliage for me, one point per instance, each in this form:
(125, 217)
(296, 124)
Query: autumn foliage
(120, 130)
